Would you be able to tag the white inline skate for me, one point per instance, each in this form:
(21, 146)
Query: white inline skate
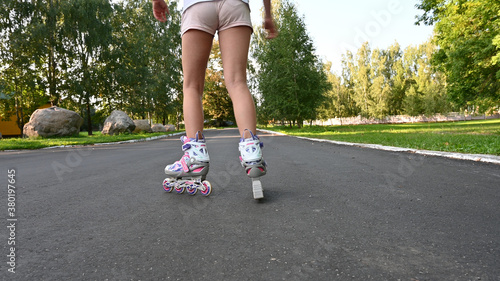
(251, 160)
(190, 172)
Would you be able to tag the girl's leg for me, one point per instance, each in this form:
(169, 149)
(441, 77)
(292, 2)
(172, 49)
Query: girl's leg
(234, 43)
(196, 46)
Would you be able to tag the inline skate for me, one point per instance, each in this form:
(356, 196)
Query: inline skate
(190, 172)
(251, 159)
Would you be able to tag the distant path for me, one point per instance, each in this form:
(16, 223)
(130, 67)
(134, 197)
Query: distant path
(97, 213)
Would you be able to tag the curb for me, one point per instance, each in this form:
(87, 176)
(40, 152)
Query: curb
(485, 158)
(103, 143)
(118, 142)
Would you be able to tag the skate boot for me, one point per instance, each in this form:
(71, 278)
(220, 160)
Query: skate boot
(251, 160)
(190, 172)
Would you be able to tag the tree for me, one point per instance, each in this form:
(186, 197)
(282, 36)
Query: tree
(86, 54)
(20, 80)
(87, 36)
(49, 28)
(379, 83)
(425, 90)
(348, 82)
(291, 78)
(338, 100)
(216, 101)
(380, 89)
(412, 102)
(430, 83)
(467, 35)
(146, 61)
(398, 79)
(166, 65)
(361, 72)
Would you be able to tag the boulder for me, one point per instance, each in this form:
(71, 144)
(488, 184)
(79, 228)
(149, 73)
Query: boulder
(118, 122)
(142, 126)
(158, 128)
(53, 121)
(170, 128)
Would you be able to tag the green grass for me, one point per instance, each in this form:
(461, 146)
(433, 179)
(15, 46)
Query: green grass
(476, 137)
(82, 139)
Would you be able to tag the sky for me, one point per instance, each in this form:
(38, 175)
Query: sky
(337, 26)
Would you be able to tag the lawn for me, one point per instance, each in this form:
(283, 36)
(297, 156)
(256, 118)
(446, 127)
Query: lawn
(476, 137)
(82, 139)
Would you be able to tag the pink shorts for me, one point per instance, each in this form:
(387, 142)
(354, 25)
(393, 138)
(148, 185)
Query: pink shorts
(218, 15)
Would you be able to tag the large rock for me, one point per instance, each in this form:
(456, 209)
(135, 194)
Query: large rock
(158, 128)
(53, 121)
(170, 128)
(118, 122)
(142, 126)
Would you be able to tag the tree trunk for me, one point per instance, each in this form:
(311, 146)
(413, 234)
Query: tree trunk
(51, 73)
(18, 103)
(89, 118)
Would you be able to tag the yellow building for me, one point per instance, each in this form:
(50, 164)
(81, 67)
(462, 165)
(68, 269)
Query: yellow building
(9, 128)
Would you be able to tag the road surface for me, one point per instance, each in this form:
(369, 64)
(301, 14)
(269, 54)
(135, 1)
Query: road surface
(331, 212)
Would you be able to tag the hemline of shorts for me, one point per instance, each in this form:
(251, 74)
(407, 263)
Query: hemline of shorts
(209, 31)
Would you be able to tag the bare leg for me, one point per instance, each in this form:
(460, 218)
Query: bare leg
(234, 44)
(196, 46)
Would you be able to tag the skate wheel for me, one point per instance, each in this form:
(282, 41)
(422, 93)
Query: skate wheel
(206, 188)
(179, 188)
(191, 189)
(168, 185)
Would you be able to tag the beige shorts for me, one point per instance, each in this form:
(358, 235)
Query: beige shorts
(216, 15)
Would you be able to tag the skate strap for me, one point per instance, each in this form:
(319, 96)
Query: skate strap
(186, 146)
(253, 137)
(184, 164)
(186, 142)
(198, 138)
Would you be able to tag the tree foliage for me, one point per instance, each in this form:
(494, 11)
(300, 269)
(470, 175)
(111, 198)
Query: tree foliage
(146, 62)
(87, 36)
(291, 80)
(377, 83)
(467, 33)
(21, 78)
(89, 55)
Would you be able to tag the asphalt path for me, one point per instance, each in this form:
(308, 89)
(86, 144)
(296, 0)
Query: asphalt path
(330, 212)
